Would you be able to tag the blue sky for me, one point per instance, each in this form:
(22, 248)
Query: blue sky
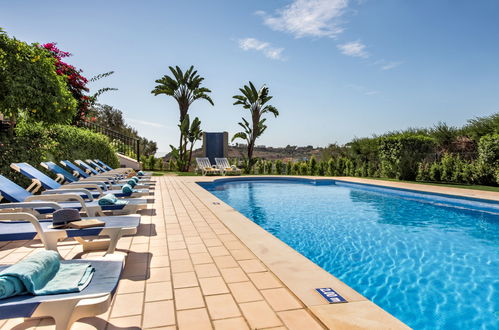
(337, 69)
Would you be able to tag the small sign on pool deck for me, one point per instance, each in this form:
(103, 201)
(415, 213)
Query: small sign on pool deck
(331, 296)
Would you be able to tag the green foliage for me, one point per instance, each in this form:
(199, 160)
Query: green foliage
(269, 166)
(487, 163)
(312, 166)
(37, 142)
(321, 168)
(185, 88)
(304, 168)
(260, 166)
(296, 169)
(289, 168)
(255, 101)
(480, 126)
(400, 155)
(279, 167)
(29, 84)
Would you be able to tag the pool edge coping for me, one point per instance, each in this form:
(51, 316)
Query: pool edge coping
(300, 275)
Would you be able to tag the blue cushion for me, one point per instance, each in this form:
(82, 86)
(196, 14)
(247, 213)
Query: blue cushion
(132, 182)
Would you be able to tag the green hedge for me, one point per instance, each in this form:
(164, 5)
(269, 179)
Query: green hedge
(37, 142)
(401, 154)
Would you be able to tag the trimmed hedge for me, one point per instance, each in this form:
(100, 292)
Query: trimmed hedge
(37, 142)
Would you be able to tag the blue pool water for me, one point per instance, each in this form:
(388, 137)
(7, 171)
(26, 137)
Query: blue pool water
(432, 263)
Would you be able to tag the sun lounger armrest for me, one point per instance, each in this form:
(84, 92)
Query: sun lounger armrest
(99, 187)
(59, 198)
(30, 205)
(71, 191)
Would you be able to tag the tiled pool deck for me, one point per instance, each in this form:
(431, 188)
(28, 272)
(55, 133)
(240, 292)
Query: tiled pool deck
(196, 264)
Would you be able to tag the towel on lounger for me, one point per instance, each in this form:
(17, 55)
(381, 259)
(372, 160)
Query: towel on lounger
(127, 189)
(42, 274)
(140, 173)
(110, 199)
(132, 182)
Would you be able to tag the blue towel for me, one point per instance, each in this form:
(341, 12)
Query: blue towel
(140, 173)
(132, 182)
(127, 189)
(110, 199)
(135, 178)
(42, 274)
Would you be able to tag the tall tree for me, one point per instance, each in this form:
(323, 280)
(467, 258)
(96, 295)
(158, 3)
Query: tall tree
(256, 102)
(185, 88)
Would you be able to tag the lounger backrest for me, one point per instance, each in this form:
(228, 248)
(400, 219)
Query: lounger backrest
(95, 165)
(86, 166)
(33, 173)
(222, 163)
(11, 191)
(203, 162)
(75, 168)
(51, 166)
(107, 167)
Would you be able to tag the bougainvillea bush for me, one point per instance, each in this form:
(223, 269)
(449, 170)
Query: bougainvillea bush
(29, 84)
(76, 82)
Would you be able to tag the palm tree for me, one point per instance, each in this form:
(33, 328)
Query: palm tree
(185, 88)
(255, 101)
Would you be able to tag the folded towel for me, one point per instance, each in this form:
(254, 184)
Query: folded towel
(132, 182)
(127, 189)
(42, 274)
(140, 173)
(136, 179)
(110, 199)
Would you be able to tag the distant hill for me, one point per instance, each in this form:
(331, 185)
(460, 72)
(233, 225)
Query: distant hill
(269, 153)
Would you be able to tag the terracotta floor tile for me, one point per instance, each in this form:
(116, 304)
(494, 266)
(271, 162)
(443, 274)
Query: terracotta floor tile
(176, 246)
(232, 275)
(188, 298)
(196, 248)
(225, 262)
(195, 319)
(260, 315)
(242, 254)
(206, 270)
(252, 266)
(124, 322)
(159, 291)
(159, 261)
(281, 299)
(245, 292)
(181, 266)
(213, 285)
(201, 258)
(231, 324)
(265, 280)
(158, 314)
(159, 275)
(299, 319)
(217, 251)
(179, 254)
(213, 242)
(184, 280)
(131, 286)
(222, 306)
(127, 304)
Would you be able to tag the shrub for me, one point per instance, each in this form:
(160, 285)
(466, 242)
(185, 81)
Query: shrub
(423, 172)
(304, 168)
(37, 142)
(296, 168)
(487, 163)
(321, 169)
(289, 168)
(435, 171)
(279, 167)
(312, 166)
(269, 167)
(331, 167)
(447, 167)
(260, 166)
(401, 154)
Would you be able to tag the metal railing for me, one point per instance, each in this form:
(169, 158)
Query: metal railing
(127, 145)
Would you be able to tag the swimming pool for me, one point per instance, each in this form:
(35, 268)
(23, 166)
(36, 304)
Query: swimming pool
(430, 260)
